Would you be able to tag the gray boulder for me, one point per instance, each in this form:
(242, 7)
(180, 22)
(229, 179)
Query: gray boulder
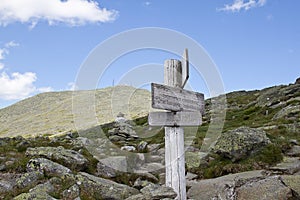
(47, 167)
(288, 110)
(29, 179)
(157, 192)
(293, 182)
(294, 151)
(297, 81)
(289, 165)
(40, 191)
(222, 187)
(241, 142)
(105, 171)
(33, 196)
(269, 188)
(68, 157)
(99, 188)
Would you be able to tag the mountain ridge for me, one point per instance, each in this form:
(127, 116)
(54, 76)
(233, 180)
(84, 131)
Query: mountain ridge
(53, 112)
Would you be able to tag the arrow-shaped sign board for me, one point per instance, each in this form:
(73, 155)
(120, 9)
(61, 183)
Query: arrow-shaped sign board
(176, 99)
(175, 119)
(185, 67)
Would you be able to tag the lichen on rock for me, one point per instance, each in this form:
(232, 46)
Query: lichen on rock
(241, 142)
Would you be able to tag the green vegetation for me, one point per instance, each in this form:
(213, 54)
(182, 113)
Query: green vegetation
(221, 166)
(248, 109)
(271, 109)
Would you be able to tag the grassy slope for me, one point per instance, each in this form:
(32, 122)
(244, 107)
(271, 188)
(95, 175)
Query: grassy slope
(254, 109)
(257, 109)
(52, 113)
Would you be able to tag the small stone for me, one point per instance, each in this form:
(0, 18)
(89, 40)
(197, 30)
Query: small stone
(158, 192)
(2, 167)
(128, 148)
(190, 176)
(294, 142)
(162, 178)
(142, 146)
(8, 163)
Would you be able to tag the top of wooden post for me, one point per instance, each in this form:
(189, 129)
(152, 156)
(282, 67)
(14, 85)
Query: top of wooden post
(173, 73)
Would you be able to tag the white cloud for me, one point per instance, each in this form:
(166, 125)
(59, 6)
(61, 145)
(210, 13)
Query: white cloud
(238, 5)
(71, 86)
(71, 12)
(5, 51)
(11, 44)
(17, 86)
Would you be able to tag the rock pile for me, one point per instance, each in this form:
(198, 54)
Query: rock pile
(57, 172)
(122, 131)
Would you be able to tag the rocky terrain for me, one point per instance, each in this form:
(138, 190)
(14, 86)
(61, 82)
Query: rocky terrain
(257, 156)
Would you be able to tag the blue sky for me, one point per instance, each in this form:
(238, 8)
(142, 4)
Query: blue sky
(43, 43)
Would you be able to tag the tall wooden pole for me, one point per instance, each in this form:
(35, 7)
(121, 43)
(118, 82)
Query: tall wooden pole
(174, 137)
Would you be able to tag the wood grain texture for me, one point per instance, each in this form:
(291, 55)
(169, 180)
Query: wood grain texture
(174, 138)
(175, 119)
(176, 99)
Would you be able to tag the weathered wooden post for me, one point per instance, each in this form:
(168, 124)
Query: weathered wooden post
(174, 138)
(186, 108)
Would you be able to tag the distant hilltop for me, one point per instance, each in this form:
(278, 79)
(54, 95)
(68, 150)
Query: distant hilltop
(53, 113)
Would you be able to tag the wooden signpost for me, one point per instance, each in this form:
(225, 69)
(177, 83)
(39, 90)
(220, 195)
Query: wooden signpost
(175, 118)
(186, 109)
(176, 99)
